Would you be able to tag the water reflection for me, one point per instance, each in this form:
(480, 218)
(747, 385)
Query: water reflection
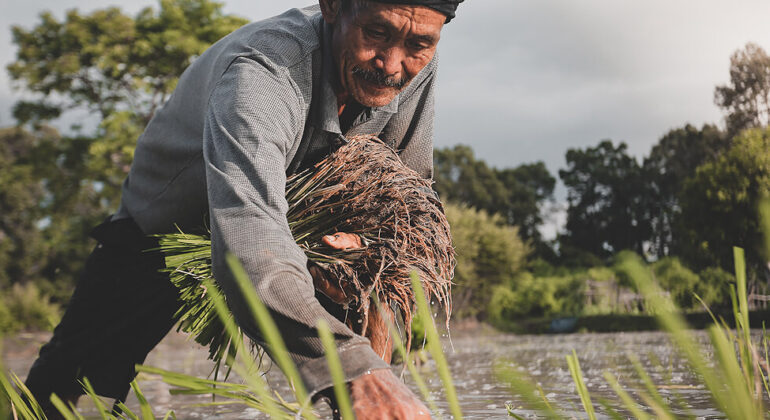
(471, 363)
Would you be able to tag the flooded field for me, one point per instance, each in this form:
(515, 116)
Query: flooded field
(472, 356)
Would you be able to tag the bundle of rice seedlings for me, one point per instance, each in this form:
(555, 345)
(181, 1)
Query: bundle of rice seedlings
(363, 188)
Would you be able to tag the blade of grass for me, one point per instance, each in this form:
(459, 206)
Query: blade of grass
(509, 408)
(335, 368)
(523, 388)
(233, 393)
(24, 409)
(126, 413)
(543, 396)
(609, 411)
(743, 326)
(628, 402)
(582, 389)
(63, 409)
(401, 349)
(100, 406)
(647, 381)
(434, 347)
(270, 333)
(674, 324)
(737, 388)
(661, 411)
(247, 368)
(144, 406)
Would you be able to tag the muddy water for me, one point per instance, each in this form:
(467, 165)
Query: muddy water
(472, 355)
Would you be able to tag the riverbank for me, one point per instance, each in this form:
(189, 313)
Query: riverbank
(619, 323)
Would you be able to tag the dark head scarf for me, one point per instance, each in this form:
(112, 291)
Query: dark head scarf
(447, 7)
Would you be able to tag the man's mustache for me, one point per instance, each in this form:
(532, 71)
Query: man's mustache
(379, 78)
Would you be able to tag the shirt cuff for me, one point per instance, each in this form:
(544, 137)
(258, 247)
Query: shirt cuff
(357, 360)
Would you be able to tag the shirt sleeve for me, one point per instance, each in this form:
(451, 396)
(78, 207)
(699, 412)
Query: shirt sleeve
(252, 121)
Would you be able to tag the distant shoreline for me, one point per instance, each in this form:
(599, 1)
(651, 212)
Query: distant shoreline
(624, 322)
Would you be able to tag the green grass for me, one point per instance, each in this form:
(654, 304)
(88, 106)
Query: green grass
(254, 392)
(736, 378)
(26, 307)
(335, 367)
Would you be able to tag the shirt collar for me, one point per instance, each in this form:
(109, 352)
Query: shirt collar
(326, 117)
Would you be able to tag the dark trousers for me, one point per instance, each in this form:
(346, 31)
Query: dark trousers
(123, 305)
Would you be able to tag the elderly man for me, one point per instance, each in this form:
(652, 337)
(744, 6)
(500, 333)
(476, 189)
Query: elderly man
(270, 99)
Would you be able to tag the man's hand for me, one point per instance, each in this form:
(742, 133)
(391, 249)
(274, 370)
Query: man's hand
(342, 240)
(380, 395)
(329, 287)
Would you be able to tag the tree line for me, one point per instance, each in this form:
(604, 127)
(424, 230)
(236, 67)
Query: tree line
(116, 70)
(681, 208)
(693, 197)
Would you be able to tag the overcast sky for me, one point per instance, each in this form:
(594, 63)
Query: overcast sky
(524, 80)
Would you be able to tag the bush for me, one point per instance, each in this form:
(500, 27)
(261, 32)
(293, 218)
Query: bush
(536, 297)
(619, 261)
(24, 307)
(678, 280)
(714, 286)
(489, 253)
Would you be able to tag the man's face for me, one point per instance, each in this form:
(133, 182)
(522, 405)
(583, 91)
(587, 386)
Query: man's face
(379, 48)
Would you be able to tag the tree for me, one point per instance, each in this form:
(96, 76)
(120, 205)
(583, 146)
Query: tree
(528, 186)
(119, 69)
(516, 194)
(672, 160)
(21, 191)
(720, 206)
(489, 253)
(461, 178)
(108, 62)
(746, 99)
(605, 191)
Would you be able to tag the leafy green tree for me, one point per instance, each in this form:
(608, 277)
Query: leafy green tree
(605, 195)
(21, 191)
(536, 297)
(45, 210)
(678, 280)
(108, 62)
(720, 205)
(489, 253)
(714, 286)
(461, 178)
(516, 194)
(529, 187)
(746, 99)
(673, 159)
(119, 69)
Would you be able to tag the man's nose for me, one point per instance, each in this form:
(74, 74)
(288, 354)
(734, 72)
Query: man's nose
(390, 61)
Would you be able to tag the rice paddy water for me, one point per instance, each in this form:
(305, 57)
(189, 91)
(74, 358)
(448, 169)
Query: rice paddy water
(720, 373)
(480, 393)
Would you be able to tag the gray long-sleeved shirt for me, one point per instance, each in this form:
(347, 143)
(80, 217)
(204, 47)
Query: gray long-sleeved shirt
(256, 106)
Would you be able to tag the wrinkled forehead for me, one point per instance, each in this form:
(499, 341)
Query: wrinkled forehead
(416, 20)
(445, 7)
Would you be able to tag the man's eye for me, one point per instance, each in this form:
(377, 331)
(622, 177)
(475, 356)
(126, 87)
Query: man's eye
(418, 45)
(375, 33)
